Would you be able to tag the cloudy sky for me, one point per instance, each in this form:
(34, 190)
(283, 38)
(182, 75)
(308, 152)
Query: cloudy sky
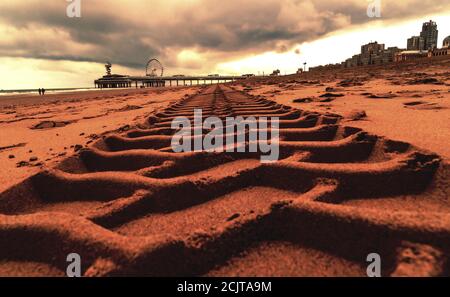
(41, 46)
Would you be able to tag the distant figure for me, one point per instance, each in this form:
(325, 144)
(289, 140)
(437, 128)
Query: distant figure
(43, 91)
(40, 92)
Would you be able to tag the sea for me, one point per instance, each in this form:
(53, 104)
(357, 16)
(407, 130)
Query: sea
(47, 91)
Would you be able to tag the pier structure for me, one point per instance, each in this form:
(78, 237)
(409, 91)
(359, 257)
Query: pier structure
(124, 81)
(154, 77)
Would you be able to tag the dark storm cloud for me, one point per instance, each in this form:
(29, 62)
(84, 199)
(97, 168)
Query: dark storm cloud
(112, 37)
(129, 32)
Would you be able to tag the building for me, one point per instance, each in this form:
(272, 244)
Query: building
(372, 48)
(444, 51)
(437, 52)
(430, 35)
(416, 43)
(410, 55)
(349, 63)
(371, 53)
(446, 43)
(355, 61)
(388, 55)
(375, 53)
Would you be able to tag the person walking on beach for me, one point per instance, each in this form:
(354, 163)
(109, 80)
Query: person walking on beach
(40, 92)
(43, 91)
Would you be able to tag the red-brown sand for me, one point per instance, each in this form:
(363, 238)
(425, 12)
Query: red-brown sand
(363, 169)
(417, 113)
(80, 117)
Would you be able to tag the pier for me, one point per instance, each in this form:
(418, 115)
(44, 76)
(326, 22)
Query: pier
(123, 81)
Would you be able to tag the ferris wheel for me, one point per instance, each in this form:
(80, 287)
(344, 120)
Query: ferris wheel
(154, 68)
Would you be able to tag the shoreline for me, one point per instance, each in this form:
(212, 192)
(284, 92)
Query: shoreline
(30, 99)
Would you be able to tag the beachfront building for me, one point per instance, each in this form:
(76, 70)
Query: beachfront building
(415, 43)
(374, 53)
(371, 53)
(430, 35)
(388, 55)
(446, 42)
(444, 51)
(427, 40)
(439, 52)
(410, 55)
(372, 48)
(354, 61)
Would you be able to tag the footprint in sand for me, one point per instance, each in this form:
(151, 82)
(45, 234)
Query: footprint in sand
(49, 125)
(422, 105)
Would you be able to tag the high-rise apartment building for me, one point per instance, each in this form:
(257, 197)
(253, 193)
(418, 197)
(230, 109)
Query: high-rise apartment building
(416, 43)
(430, 35)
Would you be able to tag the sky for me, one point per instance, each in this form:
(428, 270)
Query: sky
(40, 46)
